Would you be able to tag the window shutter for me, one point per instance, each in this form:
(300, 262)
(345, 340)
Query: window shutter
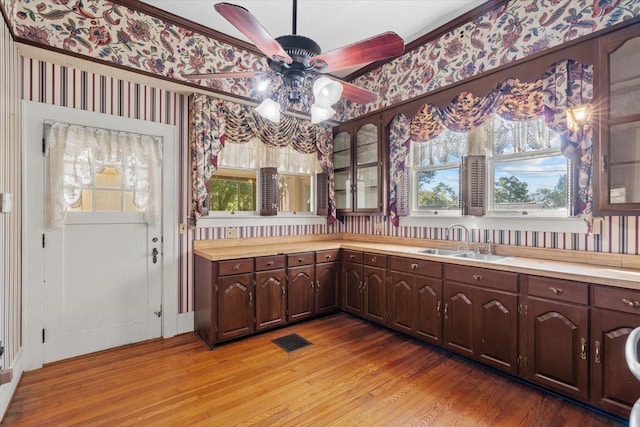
(322, 194)
(473, 185)
(268, 191)
(402, 195)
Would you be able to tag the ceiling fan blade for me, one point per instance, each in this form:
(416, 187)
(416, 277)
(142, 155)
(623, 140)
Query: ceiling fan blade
(382, 46)
(248, 25)
(242, 74)
(357, 94)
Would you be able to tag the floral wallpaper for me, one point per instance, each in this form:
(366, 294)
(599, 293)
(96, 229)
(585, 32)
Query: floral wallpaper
(113, 33)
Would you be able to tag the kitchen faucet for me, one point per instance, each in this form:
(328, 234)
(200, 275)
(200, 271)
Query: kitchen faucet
(467, 235)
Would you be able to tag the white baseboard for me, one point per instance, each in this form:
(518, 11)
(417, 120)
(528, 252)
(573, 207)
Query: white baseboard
(7, 390)
(185, 322)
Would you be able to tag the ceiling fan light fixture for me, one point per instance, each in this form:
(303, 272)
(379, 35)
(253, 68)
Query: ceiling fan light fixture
(270, 110)
(319, 114)
(326, 92)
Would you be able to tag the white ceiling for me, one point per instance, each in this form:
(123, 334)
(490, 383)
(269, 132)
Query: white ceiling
(330, 23)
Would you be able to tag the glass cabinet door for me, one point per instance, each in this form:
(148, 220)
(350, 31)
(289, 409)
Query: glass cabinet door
(618, 177)
(366, 167)
(342, 169)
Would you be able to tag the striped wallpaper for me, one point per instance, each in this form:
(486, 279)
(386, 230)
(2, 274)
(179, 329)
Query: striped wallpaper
(10, 182)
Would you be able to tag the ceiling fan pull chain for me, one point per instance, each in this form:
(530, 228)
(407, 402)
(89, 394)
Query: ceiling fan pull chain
(295, 17)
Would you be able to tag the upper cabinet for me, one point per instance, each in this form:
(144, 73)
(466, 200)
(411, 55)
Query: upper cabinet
(617, 150)
(358, 157)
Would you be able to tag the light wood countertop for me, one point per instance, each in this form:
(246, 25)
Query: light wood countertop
(607, 272)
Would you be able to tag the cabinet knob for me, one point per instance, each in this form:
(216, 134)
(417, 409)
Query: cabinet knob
(414, 266)
(328, 257)
(477, 276)
(556, 291)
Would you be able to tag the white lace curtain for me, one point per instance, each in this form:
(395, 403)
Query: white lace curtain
(76, 153)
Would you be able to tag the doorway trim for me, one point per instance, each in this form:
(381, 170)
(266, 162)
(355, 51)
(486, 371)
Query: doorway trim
(33, 116)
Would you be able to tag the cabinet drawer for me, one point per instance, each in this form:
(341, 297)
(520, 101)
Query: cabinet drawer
(327, 256)
(352, 256)
(558, 289)
(619, 299)
(303, 258)
(270, 262)
(416, 266)
(376, 260)
(503, 280)
(235, 266)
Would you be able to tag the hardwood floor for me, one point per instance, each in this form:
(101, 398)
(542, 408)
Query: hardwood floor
(354, 374)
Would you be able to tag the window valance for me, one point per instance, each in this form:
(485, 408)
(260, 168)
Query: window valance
(215, 122)
(564, 84)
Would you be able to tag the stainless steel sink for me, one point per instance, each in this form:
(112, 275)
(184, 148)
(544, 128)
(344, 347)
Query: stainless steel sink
(479, 257)
(442, 252)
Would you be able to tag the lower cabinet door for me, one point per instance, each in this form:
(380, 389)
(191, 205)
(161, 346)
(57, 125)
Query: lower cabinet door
(270, 299)
(300, 292)
(614, 387)
(427, 309)
(327, 277)
(558, 346)
(498, 329)
(235, 306)
(401, 293)
(375, 294)
(352, 284)
(459, 328)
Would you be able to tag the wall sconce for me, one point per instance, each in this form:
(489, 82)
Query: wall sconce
(578, 116)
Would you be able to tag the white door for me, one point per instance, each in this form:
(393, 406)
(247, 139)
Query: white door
(102, 263)
(102, 286)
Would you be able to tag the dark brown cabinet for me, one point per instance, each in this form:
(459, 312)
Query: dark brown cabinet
(270, 292)
(558, 334)
(327, 281)
(352, 282)
(415, 298)
(235, 299)
(374, 289)
(481, 315)
(616, 314)
(616, 154)
(300, 286)
(358, 158)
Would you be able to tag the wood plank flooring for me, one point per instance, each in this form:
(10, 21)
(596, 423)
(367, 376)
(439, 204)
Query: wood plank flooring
(354, 374)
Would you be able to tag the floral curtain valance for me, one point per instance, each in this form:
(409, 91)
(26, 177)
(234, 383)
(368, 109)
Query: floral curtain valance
(215, 122)
(76, 154)
(564, 84)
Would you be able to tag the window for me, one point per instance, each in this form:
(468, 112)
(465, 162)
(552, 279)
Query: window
(232, 191)
(525, 172)
(237, 187)
(436, 174)
(107, 195)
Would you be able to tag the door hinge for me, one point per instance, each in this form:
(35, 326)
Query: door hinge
(44, 146)
(522, 309)
(522, 361)
(159, 312)
(42, 335)
(43, 240)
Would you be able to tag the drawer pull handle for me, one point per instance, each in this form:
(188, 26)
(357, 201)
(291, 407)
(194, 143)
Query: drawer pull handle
(270, 263)
(438, 308)
(477, 276)
(598, 360)
(630, 302)
(556, 291)
(328, 257)
(583, 349)
(236, 267)
(373, 259)
(446, 311)
(352, 256)
(414, 266)
(300, 259)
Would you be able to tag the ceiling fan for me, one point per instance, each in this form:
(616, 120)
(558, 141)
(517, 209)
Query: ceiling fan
(296, 63)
